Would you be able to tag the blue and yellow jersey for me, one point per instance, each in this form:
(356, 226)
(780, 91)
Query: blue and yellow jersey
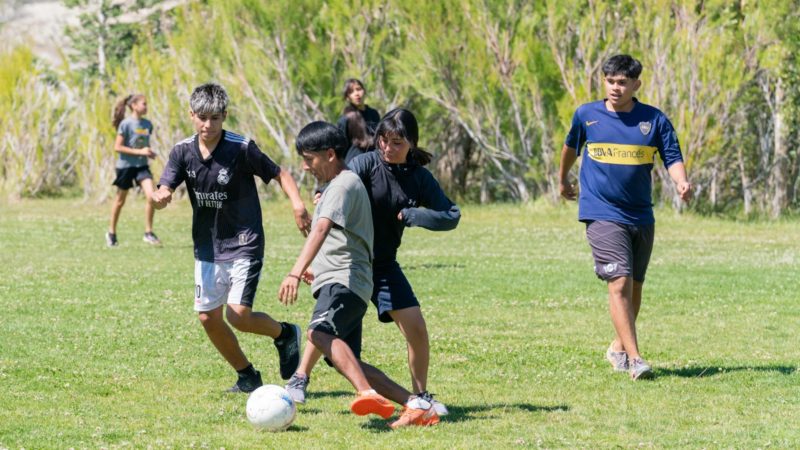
(619, 150)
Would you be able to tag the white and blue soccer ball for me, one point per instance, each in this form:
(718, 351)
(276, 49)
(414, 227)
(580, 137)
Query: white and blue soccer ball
(271, 408)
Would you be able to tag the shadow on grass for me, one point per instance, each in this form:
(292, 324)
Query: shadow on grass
(426, 266)
(707, 371)
(312, 395)
(464, 413)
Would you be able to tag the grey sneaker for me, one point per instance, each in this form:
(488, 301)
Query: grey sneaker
(640, 370)
(246, 384)
(151, 238)
(111, 239)
(289, 351)
(618, 360)
(296, 387)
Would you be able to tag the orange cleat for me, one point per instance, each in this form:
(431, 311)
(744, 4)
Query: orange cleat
(416, 417)
(370, 402)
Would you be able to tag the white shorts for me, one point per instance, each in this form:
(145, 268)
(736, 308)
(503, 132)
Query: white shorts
(233, 282)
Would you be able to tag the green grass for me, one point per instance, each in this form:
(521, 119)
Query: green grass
(100, 348)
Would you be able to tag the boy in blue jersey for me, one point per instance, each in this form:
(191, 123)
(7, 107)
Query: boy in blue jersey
(619, 137)
(218, 167)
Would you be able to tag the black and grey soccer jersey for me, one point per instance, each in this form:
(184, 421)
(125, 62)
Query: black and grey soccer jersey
(408, 188)
(226, 219)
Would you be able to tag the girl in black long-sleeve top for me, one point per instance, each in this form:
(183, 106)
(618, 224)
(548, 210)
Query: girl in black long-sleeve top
(403, 194)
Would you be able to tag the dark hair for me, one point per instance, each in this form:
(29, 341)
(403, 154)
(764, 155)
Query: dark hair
(319, 136)
(401, 122)
(119, 108)
(356, 128)
(622, 65)
(209, 98)
(350, 84)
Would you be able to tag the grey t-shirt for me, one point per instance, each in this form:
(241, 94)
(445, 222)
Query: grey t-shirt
(346, 254)
(135, 134)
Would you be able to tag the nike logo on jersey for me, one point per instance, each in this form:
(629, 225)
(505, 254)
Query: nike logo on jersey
(591, 122)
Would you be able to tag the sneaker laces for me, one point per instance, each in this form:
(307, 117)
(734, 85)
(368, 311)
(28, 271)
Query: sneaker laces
(420, 401)
(298, 381)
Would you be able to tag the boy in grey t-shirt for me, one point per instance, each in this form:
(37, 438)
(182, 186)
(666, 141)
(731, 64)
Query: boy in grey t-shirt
(339, 251)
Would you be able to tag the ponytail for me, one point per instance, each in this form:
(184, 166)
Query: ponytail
(401, 122)
(119, 109)
(421, 156)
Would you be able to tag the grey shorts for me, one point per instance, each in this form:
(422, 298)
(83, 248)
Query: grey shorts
(620, 250)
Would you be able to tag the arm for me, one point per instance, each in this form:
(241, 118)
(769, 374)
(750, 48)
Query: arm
(568, 158)
(161, 197)
(677, 171)
(287, 293)
(289, 186)
(120, 148)
(438, 214)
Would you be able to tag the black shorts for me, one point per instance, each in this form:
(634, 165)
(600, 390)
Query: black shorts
(391, 291)
(620, 250)
(128, 176)
(339, 312)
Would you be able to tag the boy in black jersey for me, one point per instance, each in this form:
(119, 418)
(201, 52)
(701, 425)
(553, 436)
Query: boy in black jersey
(218, 167)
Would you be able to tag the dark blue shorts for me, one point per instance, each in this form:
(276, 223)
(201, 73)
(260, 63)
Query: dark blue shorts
(128, 176)
(391, 290)
(339, 312)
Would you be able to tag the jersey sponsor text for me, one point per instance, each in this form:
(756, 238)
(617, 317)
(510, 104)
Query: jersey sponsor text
(630, 155)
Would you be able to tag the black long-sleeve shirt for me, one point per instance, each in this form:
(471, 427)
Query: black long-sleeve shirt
(408, 188)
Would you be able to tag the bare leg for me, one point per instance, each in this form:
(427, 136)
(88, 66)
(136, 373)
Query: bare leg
(620, 305)
(637, 304)
(116, 208)
(243, 318)
(412, 325)
(342, 357)
(360, 374)
(149, 211)
(384, 385)
(311, 356)
(223, 338)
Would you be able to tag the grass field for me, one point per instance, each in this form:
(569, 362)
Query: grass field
(100, 348)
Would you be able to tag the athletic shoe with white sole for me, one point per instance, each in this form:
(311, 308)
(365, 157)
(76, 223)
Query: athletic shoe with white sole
(111, 239)
(441, 410)
(296, 387)
(640, 370)
(151, 238)
(416, 412)
(618, 360)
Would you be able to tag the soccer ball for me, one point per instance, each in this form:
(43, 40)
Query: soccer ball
(270, 408)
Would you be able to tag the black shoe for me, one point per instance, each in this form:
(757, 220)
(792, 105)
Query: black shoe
(111, 239)
(247, 384)
(289, 351)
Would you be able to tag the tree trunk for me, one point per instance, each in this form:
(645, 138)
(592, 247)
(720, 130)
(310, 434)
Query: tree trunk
(780, 165)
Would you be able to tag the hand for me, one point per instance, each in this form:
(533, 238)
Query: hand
(147, 151)
(161, 197)
(287, 294)
(400, 216)
(567, 190)
(684, 190)
(307, 277)
(317, 196)
(303, 220)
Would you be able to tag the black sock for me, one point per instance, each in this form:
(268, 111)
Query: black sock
(247, 372)
(286, 331)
